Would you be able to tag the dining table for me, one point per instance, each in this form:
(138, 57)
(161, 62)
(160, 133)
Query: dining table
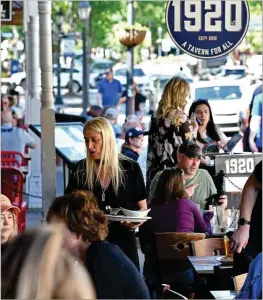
(223, 295)
(204, 264)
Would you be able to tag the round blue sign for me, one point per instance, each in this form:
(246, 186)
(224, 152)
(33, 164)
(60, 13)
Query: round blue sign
(207, 28)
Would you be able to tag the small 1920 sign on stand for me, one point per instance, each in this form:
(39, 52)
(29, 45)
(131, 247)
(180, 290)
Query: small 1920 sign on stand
(6, 10)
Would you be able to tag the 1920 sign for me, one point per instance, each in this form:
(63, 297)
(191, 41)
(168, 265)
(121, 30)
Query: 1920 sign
(207, 28)
(241, 165)
(6, 10)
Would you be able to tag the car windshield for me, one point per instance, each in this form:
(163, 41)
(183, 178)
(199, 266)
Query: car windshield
(123, 72)
(163, 82)
(240, 72)
(218, 93)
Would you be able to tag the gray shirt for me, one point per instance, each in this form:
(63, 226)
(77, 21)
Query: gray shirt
(205, 188)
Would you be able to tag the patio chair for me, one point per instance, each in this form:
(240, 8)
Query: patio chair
(208, 247)
(172, 249)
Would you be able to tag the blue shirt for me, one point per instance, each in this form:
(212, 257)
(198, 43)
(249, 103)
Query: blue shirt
(110, 91)
(113, 274)
(257, 111)
(252, 288)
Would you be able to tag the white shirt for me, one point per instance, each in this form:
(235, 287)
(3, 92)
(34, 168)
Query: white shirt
(14, 139)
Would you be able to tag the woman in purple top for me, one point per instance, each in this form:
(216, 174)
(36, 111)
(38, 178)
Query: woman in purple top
(171, 211)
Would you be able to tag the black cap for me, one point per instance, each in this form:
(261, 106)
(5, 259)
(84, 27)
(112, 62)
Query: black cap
(190, 149)
(133, 132)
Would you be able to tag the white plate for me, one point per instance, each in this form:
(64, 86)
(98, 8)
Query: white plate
(127, 219)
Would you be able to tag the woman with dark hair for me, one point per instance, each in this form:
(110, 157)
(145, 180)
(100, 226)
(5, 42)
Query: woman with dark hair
(209, 135)
(171, 211)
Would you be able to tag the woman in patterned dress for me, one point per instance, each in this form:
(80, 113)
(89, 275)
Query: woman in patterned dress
(169, 127)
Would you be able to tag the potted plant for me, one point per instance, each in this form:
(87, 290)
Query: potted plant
(130, 35)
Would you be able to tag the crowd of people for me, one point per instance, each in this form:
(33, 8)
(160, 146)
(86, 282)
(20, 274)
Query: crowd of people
(99, 258)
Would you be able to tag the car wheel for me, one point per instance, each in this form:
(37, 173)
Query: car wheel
(23, 84)
(75, 87)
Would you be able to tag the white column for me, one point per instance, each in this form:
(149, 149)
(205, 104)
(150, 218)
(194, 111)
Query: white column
(33, 105)
(48, 155)
(34, 71)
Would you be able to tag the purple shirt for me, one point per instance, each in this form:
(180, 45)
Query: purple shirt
(180, 216)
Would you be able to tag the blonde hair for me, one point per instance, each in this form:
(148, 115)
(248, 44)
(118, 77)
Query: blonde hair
(47, 272)
(109, 162)
(173, 97)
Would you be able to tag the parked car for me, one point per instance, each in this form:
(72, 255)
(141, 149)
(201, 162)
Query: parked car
(97, 66)
(19, 79)
(227, 101)
(139, 77)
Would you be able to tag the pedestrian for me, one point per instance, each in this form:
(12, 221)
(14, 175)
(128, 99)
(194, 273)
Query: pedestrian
(110, 90)
(255, 126)
(111, 114)
(139, 98)
(114, 180)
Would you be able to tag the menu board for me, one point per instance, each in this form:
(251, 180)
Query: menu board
(69, 141)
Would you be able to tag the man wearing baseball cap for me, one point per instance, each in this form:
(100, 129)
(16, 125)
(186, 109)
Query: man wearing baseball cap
(133, 143)
(199, 183)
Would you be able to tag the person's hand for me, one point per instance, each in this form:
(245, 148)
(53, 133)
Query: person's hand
(220, 145)
(253, 146)
(239, 238)
(223, 201)
(131, 226)
(194, 122)
(190, 189)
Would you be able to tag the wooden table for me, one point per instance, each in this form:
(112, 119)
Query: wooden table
(223, 294)
(204, 264)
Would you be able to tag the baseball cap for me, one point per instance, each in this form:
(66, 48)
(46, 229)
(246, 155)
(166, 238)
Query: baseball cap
(111, 112)
(6, 205)
(133, 132)
(190, 149)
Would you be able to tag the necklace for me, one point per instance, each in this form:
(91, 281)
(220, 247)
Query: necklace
(104, 188)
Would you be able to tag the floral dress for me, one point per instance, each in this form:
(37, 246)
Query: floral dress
(165, 137)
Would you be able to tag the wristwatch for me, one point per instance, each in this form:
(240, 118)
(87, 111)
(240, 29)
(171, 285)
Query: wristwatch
(243, 221)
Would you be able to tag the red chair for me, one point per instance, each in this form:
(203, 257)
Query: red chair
(12, 159)
(12, 179)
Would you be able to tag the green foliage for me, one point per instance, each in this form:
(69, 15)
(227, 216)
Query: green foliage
(255, 7)
(126, 26)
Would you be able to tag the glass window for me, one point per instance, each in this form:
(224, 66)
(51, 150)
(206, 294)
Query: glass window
(234, 72)
(138, 72)
(218, 93)
(121, 72)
